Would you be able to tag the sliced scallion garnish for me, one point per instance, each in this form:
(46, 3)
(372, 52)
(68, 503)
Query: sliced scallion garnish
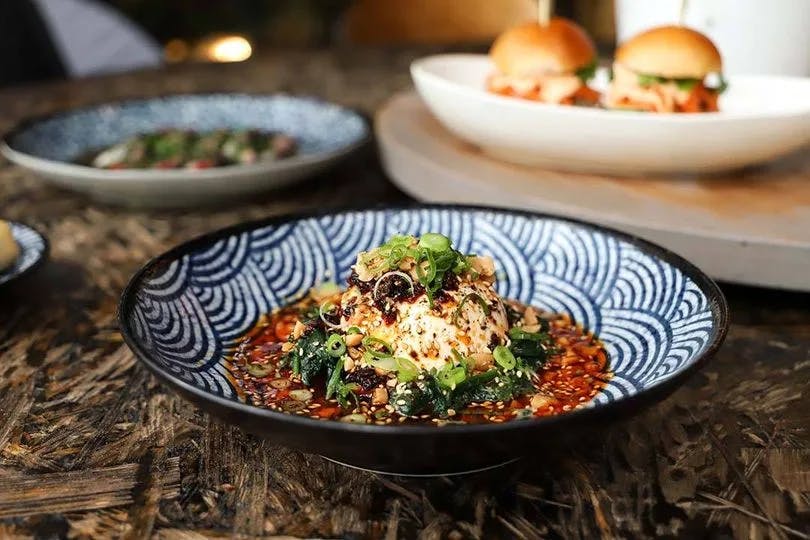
(335, 345)
(386, 363)
(434, 242)
(472, 296)
(518, 333)
(449, 376)
(377, 347)
(504, 357)
(406, 370)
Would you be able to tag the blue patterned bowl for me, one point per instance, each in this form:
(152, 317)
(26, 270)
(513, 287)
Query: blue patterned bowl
(33, 252)
(659, 317)
(49, 145)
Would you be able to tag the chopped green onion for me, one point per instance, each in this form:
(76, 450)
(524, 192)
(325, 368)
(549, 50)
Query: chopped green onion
(327, 288)
(426, 274)
(335, 345)
(504, 357)
(517, 333)
(396, 255)
(449, 376)
(386, 363)
(434, 242)
(345, 391)
(472, 296)
(373, 346)
(406, 370)
(296, 364)
(353, 330)
(460, 359)
(432, 254)
(400, 240)
(334, 379)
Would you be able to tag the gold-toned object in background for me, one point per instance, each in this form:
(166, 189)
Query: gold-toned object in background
(233, 48)
(377, 22)
(216, 48)
(176, 50)
(9, 249)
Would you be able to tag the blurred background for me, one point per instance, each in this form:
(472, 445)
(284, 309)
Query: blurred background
(52, 39)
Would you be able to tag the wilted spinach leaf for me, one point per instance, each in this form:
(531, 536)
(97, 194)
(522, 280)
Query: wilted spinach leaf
(309, 357)
(492, 385)
(419, 396)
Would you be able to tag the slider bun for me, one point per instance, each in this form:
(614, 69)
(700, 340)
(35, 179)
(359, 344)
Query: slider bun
(529, 50)
(9, 250)
(671, 52)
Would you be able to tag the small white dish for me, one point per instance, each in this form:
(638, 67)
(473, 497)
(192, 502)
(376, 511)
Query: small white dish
(33, 253)
(762, 117)
(49, 146)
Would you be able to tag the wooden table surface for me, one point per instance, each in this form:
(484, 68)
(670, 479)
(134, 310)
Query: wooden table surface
(92, 446)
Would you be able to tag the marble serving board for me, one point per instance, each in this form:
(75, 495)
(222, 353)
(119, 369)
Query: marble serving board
(750, 226)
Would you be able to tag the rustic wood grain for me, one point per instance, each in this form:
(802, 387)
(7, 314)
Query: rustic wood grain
(88, 489)
(92, 447)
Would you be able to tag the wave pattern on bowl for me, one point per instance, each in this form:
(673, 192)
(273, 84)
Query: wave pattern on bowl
(653, 318)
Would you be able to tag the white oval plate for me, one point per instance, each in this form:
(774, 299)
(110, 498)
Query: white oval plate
(48, 146)
(762, 117)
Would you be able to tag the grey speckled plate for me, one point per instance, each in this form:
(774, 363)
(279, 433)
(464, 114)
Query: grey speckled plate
(49, 145)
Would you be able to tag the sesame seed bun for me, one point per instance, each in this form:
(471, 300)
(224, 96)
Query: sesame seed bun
(671, 52)
(527, 50)
(9, 250)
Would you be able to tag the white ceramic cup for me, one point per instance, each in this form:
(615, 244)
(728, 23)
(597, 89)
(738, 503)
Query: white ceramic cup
(754, 37)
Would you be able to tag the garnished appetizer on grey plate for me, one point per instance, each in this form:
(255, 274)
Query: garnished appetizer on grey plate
(548, 63)
(179, 148)
(419, 336)
(9, 249)
(665, 70)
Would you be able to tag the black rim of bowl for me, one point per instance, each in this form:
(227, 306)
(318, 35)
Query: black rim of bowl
(43, 256)
(637, 401)
(9, 136)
